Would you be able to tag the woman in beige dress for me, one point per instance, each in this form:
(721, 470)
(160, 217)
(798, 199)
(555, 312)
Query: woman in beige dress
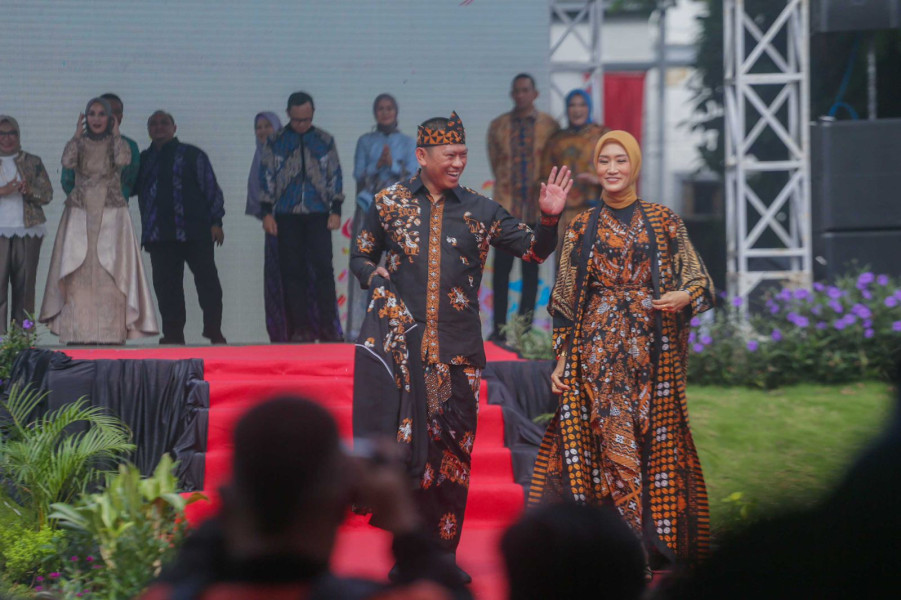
(96, 290)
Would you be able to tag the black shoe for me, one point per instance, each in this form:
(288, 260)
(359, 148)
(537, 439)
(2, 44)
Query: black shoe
(302, 338)
(172, 341)
(465, 577)
(498, 338)
(218, 339)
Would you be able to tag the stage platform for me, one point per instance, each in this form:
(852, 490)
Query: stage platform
(242, 376)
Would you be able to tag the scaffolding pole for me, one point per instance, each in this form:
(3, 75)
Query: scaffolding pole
(767, 97)
(575, 53)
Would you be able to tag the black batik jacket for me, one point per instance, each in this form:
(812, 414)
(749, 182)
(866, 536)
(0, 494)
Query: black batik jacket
(436, 252)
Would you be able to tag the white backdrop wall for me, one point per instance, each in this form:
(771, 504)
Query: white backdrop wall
(215, 64)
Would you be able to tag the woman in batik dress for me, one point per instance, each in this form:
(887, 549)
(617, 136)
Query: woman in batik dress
(629, 283)
(574, 147)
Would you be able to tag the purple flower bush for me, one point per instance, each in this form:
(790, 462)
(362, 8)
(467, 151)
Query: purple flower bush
(846, 330)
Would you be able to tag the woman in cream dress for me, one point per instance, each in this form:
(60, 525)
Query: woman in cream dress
(96, 290)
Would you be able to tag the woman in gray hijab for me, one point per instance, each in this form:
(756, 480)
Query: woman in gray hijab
(97, 291)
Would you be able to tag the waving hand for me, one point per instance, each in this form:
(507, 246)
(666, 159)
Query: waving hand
(552, 199)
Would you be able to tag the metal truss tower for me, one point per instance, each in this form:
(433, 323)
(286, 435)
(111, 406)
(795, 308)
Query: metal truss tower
(767, 116)
(575, 52)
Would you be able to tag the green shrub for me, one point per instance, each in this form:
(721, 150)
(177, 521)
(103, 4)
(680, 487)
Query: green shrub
(24, 551)
(528, 341)
(850, 331)
(132, 527)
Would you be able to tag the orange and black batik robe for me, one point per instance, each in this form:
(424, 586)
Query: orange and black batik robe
(621, 433)
(435, 254)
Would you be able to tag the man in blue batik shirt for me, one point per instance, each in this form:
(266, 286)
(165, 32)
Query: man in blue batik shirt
(301, 197)
(181, 218)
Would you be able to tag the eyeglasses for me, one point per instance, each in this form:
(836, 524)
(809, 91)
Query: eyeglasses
(12, 133)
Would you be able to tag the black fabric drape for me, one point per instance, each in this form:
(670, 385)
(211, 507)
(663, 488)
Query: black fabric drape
(523, 391)
(165, 403)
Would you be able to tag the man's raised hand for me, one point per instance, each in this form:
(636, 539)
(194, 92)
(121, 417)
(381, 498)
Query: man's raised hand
(552, 199)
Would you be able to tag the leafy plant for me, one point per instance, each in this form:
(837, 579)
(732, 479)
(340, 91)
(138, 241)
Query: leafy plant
(530, 342)
(18, 337)
(46, 460)
(134, 524)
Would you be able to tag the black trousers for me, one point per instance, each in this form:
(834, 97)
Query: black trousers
(308, 280)
(168, 260)
(18, 268)
(444, 487)
(503, 263)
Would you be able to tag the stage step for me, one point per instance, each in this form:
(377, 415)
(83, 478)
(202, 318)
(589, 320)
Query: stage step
(241, 377)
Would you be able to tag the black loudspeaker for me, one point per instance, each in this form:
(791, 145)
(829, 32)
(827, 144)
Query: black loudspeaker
(856, 175)
(856, 196)
(854, 15)
(847, 252)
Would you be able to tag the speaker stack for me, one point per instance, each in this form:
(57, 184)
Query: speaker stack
(856, 190)
(854, 15)
(856, 166)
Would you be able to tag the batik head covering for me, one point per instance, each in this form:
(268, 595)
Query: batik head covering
(452, 134)
(109, 122)
(253, 180)
(585, 96)
(15, 125)
(625, 139)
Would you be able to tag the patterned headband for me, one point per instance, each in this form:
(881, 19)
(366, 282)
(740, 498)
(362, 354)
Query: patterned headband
(453, 134)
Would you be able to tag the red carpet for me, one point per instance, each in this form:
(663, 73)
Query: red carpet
(242, 376)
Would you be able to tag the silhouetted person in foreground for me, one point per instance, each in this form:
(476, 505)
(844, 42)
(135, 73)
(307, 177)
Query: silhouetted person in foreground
(291, 488)
(573, 551)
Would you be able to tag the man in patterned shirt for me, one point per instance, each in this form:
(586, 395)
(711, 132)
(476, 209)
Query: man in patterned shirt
(436, 235)
(300, 197)
(181, 218)
(516, 142)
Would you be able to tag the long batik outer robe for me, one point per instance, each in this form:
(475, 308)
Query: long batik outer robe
(621, 432)
(436, 251)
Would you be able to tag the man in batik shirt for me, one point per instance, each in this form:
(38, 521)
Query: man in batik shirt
(436, 235)
(301, 193)
(516, 141)
(181, 218)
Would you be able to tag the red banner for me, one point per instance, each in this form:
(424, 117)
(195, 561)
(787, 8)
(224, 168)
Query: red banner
(624, 102)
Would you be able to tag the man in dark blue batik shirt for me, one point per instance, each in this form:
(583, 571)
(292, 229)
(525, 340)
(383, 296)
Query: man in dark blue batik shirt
(181, 217)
